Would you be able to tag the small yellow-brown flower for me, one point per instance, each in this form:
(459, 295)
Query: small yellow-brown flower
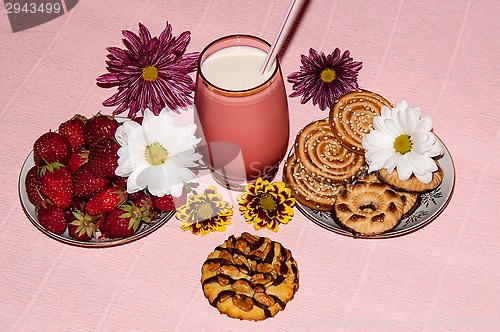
(205, 213)
(266, 204)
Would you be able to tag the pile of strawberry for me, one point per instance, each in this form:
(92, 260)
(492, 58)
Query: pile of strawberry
(74, 188)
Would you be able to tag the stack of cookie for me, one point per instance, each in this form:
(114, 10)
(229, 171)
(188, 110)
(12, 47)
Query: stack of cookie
(328, 172)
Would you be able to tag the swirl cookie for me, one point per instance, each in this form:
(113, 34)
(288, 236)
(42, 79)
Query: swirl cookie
(306, 189)
(250, 277)
(351, 117)
(323, 156)
(413, 184)
(368, 208)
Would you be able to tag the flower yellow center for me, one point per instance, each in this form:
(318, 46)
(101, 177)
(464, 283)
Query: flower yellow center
(402, 144)
(205, 211)
(155, 154)
(328, 75)
(267, 202)
(149, 73)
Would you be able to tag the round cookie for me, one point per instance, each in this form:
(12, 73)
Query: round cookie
(411, 201)
(306, 189)
(351, 117)
(413, 184)
(250, 277)
(368, 208)
(324, 157)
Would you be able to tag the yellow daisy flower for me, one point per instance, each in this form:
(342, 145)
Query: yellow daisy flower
(205, 213)
(266, 204)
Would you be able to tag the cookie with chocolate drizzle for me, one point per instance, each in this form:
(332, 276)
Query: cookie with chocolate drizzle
(250, 277)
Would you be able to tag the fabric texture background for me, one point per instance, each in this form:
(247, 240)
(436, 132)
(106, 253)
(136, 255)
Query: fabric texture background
(440, 55)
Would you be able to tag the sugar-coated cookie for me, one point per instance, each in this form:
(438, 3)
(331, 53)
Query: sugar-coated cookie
(351, 117)
(323, 156)
(308, 190)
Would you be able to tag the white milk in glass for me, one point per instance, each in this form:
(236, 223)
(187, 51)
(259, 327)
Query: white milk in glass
(236, 68)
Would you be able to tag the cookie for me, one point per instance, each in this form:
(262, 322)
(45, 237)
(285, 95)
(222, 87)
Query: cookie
(351, 117)
(324, 157)
(411, 201)
(413, 184)
(306, 189)
(250, 277)
(368, 208)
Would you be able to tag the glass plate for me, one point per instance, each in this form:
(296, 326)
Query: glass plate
(29, 210)
(432, 204)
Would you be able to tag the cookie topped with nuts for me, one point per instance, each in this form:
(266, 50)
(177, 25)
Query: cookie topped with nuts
(250, 277)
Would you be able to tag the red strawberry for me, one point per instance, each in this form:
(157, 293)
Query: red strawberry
(77, 159)
(33, 185)
(57, 185)
(51, 147)
(143, 200)
(120, 182)
(163, 203)
(87, 184)
(52, 218)
(77, 204)
(168, 202)
(105, 201)
(97, 127)
(103, 157)
(81, 226)
(121, 222)
(73, 131)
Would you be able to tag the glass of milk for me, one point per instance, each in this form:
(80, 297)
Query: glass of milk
(241, 114)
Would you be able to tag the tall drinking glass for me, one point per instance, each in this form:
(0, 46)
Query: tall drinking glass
(241, 114)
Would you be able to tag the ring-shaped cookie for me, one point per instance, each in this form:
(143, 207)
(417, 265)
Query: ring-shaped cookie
(351, 117)
(324, 157)
(368, 208)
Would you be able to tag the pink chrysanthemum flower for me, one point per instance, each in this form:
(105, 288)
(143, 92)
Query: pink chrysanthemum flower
(152, 72)
(324, 78)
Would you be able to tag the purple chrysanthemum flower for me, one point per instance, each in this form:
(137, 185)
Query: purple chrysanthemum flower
(151, 73)
(324, 78)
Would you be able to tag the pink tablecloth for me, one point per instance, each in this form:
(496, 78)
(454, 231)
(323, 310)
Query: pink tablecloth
(441, 55)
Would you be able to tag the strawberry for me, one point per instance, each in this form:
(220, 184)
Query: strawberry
(57, 184)
(164, 203)
(120, 182)
(81, 226)
(105, 201)
(87, 184)
(52, 218)
(122, 222)
(73, 131)
(33, 185)
(77, 159)
(168, 202)
(103, 157)
(97, 127)
(51, 147)
(143, 200)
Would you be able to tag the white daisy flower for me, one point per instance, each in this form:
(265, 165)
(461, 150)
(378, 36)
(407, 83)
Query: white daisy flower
(157, 154)
(401, 140)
